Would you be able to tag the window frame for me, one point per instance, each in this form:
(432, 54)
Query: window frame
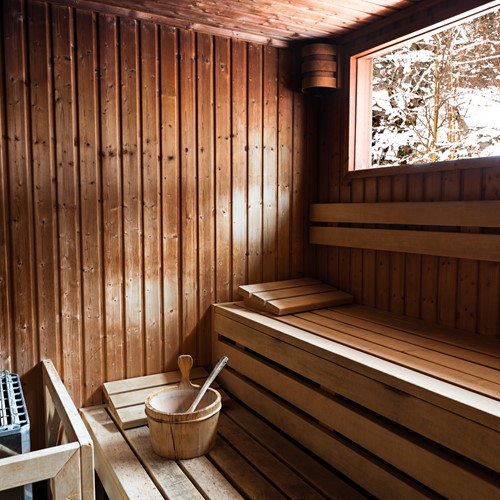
(359, 53)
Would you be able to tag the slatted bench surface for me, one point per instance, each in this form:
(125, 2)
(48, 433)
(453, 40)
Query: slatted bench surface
(251, 459)
(414, 409)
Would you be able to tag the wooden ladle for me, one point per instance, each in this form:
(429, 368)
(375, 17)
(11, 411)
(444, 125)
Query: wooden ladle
(218, 367)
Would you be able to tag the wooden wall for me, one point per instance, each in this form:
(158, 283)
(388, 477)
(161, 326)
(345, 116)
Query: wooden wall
(454, 292)
(145, 173)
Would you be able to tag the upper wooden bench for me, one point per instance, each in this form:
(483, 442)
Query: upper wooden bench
(469, 226)
(402, 408)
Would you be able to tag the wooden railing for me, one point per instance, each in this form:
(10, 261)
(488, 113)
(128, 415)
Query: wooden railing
(67, 460)
(468, 225)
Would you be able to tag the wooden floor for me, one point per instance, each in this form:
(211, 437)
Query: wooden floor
(251, 459)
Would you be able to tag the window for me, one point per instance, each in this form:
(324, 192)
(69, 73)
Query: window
(430, 99)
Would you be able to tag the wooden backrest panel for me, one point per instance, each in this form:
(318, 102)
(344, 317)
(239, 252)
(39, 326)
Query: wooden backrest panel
(433, 213)
(458, 243)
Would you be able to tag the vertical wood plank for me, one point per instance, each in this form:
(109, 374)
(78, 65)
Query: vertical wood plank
(489, 272)
(150, 128)
(383, 259)
(270, 168)
(333, 180)
(397, 260)
(300, 176)
(255, 177)
(325, 256)
(468, 270)
(239, 163)
(68, 187)
(170, 194)
(432, 192)
(44, 178)
(90, 203)
(447, 279)
(6, 325)
(24, 354)
(206, 190)
(223, 289)
(356, 254)
(189, 180)
(112, 194)
(413, 262)
(133, 271)
(369, 271)
(285, 170)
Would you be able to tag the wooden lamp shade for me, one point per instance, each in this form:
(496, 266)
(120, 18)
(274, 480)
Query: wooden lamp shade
(319, 68)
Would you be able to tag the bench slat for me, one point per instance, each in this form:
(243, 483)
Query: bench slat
(169, 477)
(425, 463)
(401, 350)
(446, 244)
(472, 343)
(283, 478)
(366, 471)
(247, 291)
(432, 213)
(474, 406)
(126, 478)
(323, 479)
(248, 480)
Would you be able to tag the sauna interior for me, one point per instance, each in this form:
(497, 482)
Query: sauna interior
(157, 155)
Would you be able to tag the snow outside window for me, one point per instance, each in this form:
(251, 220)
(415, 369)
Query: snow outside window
(433, 99)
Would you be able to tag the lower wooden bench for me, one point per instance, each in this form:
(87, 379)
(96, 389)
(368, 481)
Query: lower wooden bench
(251, 459)
(401, 408)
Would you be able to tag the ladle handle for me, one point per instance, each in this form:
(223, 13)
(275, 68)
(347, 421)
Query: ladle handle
(185, 363)
(218, 367)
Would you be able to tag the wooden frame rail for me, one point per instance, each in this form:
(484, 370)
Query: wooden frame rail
(67, 461)
(465, 242)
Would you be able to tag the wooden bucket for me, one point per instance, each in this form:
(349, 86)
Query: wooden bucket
(319, 67)
(179, 435)
(174, 433)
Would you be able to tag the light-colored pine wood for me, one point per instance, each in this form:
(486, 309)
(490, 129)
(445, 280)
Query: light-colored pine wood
(206, 190)
(188, 209)
(91, 221)
(423, 463)
(282, 477)
(431, 213)
(36, 465)
(67, 458)
(470, 405)
(250, 483)
(260, 298)
(370, 475)
(410, 398)
(255, 152)
(371, 391)
(170, 109)
(169, 477)
(112, 195)
(484, 247)
(118, 468)
(246, 291)
(133, 226)
(126, 397)
(239, 197)
(314, 301)
(317, 474)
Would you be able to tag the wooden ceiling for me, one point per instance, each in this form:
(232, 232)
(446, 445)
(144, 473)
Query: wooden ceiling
(274, 22)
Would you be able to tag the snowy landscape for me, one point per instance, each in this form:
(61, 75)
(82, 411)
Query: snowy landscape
(439, 98)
